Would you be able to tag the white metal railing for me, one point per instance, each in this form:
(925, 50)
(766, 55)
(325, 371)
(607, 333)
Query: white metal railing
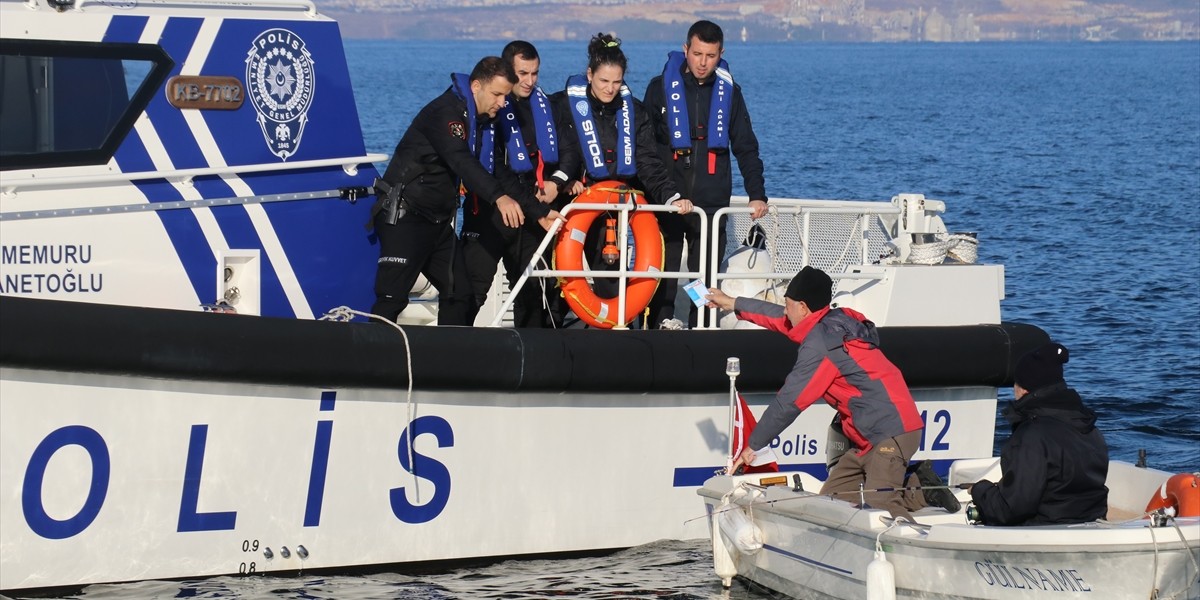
(863, 212)
(622, 274)
(868, 227)
(348, 164)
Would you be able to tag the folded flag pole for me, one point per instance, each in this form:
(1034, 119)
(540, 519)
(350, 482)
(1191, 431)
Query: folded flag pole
(741, 425)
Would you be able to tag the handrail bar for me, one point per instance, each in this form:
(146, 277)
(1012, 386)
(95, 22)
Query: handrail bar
(309, 7)
(849, 205)
(349, 164)
(623, 238)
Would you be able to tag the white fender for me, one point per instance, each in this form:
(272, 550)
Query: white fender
(737, 527)
(881, 578)
(723, 563)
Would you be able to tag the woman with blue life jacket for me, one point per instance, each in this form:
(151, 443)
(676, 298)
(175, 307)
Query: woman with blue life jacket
(616, 140)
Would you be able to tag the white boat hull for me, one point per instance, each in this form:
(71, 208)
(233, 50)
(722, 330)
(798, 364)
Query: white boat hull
(159, 478)
(817, 547)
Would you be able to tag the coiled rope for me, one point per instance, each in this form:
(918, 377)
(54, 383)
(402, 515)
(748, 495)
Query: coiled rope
(960, 247)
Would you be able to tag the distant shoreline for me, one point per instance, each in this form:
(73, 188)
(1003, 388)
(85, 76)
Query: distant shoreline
(348, 36)
(886, 21)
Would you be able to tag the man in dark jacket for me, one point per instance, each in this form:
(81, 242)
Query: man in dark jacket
(530, 145)
(445, 146)
(1056, 462)
(839, 361)
(700, 120)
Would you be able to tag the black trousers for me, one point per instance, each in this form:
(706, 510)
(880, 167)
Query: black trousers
(486, 242)
(417, 246)
(678, 231)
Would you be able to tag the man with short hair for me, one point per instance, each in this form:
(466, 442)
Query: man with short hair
(700, 119)
(529, 146)
(447, 145)
(839, 361)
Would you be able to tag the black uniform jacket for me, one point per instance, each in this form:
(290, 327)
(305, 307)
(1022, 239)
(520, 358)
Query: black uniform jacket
(1054, 465)
(434, 154)
(690, 174)
(652, 177)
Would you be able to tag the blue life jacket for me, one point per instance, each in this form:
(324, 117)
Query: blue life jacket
(678, 123)
(483, 148)
(589, 136)
(543, 126)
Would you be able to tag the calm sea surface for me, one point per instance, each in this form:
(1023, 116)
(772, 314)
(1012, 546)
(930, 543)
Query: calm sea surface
(1079, 166)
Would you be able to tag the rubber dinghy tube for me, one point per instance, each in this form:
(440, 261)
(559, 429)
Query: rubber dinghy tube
(568, 255)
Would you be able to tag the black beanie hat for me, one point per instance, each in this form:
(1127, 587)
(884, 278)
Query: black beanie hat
(811, 286)
(1042, 367)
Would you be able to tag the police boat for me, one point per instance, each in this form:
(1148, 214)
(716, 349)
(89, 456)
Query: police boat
(778, 532)
(183, 188)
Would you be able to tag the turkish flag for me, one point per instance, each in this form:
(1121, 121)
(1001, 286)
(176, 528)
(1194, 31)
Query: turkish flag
(743, 425)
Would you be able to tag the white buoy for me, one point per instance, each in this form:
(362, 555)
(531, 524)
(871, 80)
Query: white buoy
(881, 578)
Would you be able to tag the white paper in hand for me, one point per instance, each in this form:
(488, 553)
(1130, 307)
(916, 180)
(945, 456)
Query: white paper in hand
(697, 291)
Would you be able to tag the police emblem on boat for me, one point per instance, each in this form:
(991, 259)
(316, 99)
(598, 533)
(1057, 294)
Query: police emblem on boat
(280, 82)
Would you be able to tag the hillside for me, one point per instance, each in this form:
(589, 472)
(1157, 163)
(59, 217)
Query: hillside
(775, 20)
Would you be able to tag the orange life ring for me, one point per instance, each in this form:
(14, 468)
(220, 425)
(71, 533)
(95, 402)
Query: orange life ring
(568, 255)
(1182, 492)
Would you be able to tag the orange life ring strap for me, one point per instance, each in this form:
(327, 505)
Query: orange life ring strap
(1181, 492)
(569, 255)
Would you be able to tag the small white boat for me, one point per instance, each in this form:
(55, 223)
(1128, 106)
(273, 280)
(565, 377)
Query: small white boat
(810, 546)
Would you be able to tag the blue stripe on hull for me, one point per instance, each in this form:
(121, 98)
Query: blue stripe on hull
(696, 476)
(318, 236)
(125, 29)
(177, 39)
(806, 560)
(192, 248)
(323, 236)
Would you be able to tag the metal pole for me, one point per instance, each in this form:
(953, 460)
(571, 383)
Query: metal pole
(623, 257)
(733, 368)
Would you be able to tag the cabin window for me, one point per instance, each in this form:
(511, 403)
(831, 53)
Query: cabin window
(71, 103)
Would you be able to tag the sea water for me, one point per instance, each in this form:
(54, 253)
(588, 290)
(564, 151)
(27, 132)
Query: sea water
(1078, 165)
